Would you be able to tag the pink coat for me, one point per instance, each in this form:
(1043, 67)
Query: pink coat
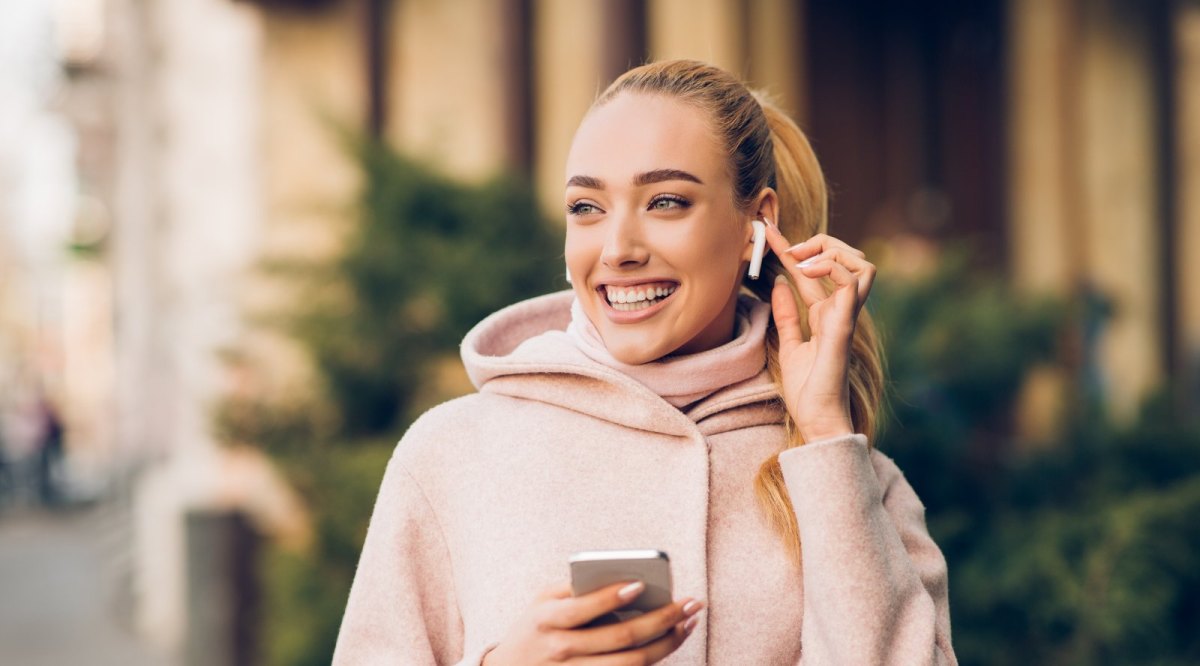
(487, 495)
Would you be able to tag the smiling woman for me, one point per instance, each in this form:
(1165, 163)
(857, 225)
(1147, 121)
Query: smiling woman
(667, 402)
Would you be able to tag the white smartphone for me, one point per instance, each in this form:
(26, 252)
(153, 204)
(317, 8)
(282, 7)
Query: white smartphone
(594, 569)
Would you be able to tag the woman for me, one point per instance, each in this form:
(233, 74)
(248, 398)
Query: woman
(656, 406)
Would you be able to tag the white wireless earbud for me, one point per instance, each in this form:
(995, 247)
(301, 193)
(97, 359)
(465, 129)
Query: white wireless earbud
(760, 246)
(568, 273)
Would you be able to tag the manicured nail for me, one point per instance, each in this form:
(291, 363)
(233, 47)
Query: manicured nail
(807, 262)
(691, 624)
(780, 278)
(691, 608)
(631, 590)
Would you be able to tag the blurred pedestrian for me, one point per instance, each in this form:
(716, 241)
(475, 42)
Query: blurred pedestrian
(49, 453)
(6, 472)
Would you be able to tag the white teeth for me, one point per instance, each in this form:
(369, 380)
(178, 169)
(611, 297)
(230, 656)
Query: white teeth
(631, 307)
(636, 299)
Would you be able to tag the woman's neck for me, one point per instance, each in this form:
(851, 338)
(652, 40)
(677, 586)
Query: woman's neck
(682, 379)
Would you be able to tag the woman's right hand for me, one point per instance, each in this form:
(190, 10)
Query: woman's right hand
(549, 633)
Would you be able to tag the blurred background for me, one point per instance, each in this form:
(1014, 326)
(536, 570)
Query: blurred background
(240, 241)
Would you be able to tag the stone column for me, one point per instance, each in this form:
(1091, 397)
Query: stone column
(447, 84)
(1187, 249)
(1044, 194)
(569, 73)
(1083, 171)
(709, 30)
(1119, 170)
(775, 49)
(1044, 217)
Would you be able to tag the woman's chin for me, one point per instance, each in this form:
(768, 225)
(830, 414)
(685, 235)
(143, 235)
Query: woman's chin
(635, 353)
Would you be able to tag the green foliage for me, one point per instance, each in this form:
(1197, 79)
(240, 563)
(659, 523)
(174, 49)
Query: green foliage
(306, 592)
(428, 258)
(1082, 552)
(958, 345)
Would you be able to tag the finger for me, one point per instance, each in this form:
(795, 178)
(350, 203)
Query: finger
(865, 280)
(860, 267)
(658, 650)
(841, 276)
(812, 290)
(786, 313)
(809, 292)
(572, 612)
(843, 279)
(560, 591)
(841, 255)
(650, 653)
(779, 247)
(837, 323)
(635, 632)
(778, 244)
(821, 243)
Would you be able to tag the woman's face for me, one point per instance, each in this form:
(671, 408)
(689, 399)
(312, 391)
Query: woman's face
(655, 246)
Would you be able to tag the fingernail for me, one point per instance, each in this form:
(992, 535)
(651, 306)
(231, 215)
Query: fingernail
(691, 608)
(806, 263)
(691, 624)
(780, 278)
(631, 590)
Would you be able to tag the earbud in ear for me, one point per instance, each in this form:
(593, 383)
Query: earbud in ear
(760, 246)
(568, 268)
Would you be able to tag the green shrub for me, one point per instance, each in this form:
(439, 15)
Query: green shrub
(1079, 551)
(428, 258)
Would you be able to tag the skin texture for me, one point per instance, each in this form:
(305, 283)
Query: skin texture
(621, 228)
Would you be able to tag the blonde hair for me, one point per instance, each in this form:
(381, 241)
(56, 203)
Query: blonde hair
(767, 149)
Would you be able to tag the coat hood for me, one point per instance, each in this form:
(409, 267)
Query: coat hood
(524, 351)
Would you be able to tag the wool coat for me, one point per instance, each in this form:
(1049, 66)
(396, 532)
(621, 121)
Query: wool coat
(486, 497)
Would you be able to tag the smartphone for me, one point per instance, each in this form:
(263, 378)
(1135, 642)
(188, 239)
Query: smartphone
(594, 569)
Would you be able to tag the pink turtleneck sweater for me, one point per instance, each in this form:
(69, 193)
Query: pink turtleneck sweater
(682, 380)
(488, 495)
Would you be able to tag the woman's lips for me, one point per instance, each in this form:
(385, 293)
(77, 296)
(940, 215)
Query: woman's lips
(633, 316)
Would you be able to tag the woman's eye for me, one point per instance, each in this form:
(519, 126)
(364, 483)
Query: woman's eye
(581, 208)
(668, 203)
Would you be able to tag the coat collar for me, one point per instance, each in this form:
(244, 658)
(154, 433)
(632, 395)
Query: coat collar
(523, 351)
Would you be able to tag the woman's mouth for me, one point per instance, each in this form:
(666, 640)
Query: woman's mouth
(638, 297)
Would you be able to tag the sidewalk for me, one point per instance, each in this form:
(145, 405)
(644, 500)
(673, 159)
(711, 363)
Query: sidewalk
(60, 600)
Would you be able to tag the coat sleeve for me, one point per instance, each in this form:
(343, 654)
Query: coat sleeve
(402, 607)
(875, 583)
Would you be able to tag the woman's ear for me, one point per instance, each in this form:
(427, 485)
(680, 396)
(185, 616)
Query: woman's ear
(766, 208)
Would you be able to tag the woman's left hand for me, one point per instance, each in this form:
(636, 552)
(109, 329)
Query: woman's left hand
(815, 371)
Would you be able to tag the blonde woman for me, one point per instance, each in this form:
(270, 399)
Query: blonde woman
(667, 401)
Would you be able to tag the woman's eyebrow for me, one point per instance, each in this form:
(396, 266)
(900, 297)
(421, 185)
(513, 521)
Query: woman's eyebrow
(590, 182)
(644, 178)
(659, 175)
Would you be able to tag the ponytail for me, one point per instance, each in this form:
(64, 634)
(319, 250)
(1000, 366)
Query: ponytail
(803, 212)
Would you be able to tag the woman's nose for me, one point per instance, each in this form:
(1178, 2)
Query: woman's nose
(623, 246)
